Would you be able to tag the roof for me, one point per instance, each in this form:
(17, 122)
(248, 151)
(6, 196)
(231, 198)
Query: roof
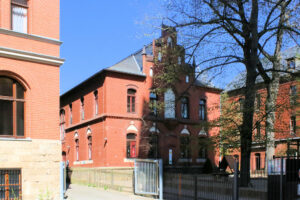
(239, 81)
(133, 65)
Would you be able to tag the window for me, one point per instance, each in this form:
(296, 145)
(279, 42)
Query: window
(185, 107)
(170, 42)
(257, 161)
(293, 95)
(62, 116)
(179, 60)
(291, 64)
(77, 149)
(293, 125)
(82, 108)
(258, 101)
(19, 15)
(185, 147)
(71, 115)
(187, 79)
(202, 148)
(11, 108)
(96, 102)
(202, 109)
(258, 133)
(10, 184)
(159, 56)
(90, 147)
(241, 103)
(151, 72)
(131, 100)
(153, 104)
(131, 145)
(62, 124)
(153, 151)
(169, 98)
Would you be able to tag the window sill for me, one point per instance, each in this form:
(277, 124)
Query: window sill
(184, 160)
(129, 160)
(16, 139)
(201, 160)
(83, 162)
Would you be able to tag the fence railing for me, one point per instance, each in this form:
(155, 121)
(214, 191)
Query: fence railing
(280, 182)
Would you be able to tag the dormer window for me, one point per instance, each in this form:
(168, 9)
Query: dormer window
(291, 64)
(19, 15)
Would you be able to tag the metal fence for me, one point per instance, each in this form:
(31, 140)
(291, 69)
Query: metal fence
(280, 182)
(148, 177)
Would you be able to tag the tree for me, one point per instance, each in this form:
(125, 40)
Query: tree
(239, 29)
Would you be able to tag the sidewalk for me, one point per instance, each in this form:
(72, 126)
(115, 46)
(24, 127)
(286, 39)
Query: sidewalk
(79, 192)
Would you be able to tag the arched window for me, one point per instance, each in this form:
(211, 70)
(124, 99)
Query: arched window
(257, 161)
(96, 102)
(169, 98)
(82, 108)
(185, 107)
(202, 146)
(185, 146)
(131, 100)
(202, 109)
(131, 145)
(90, 147)
(151, 72)
(77, 149)
(153, 104)
(11, 107)
(187, 79)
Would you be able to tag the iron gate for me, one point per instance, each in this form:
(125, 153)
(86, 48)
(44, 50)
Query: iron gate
(148, 177)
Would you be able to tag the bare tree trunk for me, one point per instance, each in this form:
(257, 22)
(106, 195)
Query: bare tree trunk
(246, 128)
(251, 55)
(272, 92)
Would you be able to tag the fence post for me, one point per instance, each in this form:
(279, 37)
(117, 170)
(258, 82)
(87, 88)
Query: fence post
(195, 188)
(281, 178)
(235, 181)
(161, 186)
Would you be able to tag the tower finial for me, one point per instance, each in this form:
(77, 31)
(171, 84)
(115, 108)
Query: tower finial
(144, 50)
(194, 62)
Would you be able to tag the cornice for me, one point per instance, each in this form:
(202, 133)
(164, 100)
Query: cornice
(29, 56)
(30, 36)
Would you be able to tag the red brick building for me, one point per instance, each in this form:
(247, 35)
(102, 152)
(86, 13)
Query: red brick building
(106, 120)
(287, 136)
(30, 147)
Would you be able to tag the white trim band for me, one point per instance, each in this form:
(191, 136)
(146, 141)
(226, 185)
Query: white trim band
(29, 56)
(29, 36)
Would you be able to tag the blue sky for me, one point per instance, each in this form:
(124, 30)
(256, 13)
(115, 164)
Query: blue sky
(97, 34)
